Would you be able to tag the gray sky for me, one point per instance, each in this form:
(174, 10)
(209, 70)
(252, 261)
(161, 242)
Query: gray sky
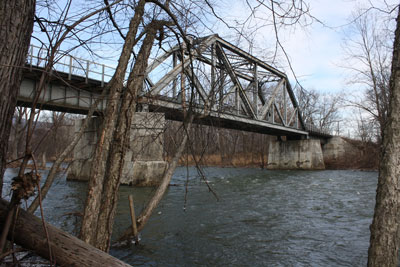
(316, 51)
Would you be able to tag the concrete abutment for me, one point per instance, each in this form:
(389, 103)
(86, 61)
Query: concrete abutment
(309, 154)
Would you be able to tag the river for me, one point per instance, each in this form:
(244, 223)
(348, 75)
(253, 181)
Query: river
(261, 218)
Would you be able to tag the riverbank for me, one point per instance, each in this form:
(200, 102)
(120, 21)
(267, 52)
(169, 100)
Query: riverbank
(354, 155)
(242, 160)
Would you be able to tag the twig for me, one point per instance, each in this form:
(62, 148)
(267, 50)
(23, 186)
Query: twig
(42, 215)
(2, 256)
(133, 218)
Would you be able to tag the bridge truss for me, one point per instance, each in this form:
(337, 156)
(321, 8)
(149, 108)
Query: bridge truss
(226, 83)
(223, 84)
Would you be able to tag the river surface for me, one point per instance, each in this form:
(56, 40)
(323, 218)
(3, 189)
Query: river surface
(261, 218)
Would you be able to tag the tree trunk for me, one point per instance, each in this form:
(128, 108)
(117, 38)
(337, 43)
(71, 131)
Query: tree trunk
(384, 242)
(116, 154)
(16, 24)
(95, 185)
(60, 158)
(66, 249)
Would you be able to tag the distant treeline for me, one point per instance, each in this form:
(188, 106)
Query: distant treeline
(210, 146)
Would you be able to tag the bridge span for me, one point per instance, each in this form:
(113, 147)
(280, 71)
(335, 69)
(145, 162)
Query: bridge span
(224, 85)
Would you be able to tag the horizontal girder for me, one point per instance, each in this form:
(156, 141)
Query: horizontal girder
(225, 86)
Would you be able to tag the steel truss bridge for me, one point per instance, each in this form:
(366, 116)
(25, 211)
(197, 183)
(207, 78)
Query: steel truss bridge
(226, 86)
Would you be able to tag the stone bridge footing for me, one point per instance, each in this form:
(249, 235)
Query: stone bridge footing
(144, 163)
(296, 155)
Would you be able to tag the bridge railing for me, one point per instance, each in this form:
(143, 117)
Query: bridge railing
(38, 56)
(314, 130)
(224, 80)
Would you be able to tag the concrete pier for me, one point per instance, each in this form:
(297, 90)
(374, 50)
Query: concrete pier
(296, 155)
(144, 163)
(336, 148)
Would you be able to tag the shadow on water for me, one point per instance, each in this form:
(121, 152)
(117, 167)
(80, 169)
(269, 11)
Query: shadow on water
(262, 218)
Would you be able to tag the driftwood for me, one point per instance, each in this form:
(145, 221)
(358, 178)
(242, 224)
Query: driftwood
(66, 249)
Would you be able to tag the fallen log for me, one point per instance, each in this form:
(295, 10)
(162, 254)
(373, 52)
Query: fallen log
(67, 250)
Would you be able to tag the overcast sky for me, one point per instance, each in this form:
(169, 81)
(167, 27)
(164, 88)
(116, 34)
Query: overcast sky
(316, 51)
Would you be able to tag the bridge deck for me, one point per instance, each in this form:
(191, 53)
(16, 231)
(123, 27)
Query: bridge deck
(225, 85)
(77, 95)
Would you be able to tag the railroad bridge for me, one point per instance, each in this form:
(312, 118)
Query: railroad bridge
(224, 85)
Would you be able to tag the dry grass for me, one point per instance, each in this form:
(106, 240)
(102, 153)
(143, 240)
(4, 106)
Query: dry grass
(363, 156)
(236, 160)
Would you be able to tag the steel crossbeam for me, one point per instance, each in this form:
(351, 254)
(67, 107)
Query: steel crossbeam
(229, 82)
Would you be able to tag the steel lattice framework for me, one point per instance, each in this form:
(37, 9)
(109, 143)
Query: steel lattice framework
(223, 84)
(222, 81)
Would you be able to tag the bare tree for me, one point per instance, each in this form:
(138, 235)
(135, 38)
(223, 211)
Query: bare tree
(55, 33)
(384, 242)
(319, 110)
(369, 53)
(16, 24)
(105, 176)
(366, 128)
(162, 21)
(18, 129)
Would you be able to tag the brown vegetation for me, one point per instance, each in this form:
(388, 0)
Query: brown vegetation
(212, 146)
(358, 155)
(236, 160)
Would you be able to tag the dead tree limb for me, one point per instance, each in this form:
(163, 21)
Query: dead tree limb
(67, 250)
(153, 202)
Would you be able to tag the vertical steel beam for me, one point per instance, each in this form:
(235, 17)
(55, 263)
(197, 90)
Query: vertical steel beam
(221, 88)
(174, 62)
(87, 71)
(273, 111)
(237, 103)
(213, 69)
(271, 100)
(31, 59)
(70, 68)
(223, 57)
(284, 105)
(102, 75)
(255, 91)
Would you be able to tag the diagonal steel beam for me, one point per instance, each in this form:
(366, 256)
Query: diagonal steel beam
(219, 66)
(197, 84)
(279, 114)
(293, 115)
(222, 56)
(261, 94)
(249, 57)
(255, 90)
(295, 104)
(172, 74)
(156, 62)
(265, 108)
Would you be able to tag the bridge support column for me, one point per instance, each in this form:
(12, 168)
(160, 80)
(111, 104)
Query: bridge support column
(144, 163)
(296, 155)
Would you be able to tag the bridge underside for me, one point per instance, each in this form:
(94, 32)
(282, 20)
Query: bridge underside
(223, 85)
(173, 111)
(226, 86)
(70, 97)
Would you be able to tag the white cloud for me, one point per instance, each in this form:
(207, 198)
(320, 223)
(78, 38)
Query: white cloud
(316, 52)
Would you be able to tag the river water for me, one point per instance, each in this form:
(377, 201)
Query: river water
(261, 218)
